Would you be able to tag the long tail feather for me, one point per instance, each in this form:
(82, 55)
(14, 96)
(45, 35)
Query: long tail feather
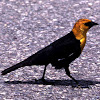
(21, 64)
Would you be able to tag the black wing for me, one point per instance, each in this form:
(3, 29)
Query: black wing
(64, 62)
(60, 49)
(66, 52)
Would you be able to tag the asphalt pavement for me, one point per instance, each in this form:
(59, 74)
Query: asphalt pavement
(27, 26)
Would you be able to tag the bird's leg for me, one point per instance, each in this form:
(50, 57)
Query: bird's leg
(43, 74)
(68, 73)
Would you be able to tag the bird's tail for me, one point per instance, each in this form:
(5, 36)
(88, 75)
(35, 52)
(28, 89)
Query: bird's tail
(14, 67)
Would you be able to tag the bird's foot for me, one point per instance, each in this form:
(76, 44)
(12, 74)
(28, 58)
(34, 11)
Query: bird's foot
(76, 82)
(78, 86)
(41, 79)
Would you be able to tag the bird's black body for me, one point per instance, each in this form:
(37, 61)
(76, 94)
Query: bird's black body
(64, 48)
(59, 53)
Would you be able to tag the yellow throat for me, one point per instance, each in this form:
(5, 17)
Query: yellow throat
(80, 34)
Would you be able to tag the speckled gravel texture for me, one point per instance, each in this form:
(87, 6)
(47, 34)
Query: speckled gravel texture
(26, 26)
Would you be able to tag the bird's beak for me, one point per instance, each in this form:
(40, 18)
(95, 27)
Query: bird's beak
(93, 23)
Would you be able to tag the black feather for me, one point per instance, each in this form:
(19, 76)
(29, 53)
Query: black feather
(59, 53)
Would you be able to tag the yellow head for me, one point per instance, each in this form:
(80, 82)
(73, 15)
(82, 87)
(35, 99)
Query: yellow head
(81, 27)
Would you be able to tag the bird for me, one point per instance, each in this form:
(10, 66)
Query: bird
(61, 52)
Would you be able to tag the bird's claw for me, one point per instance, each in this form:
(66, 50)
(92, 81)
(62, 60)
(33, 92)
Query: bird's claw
(41, 79)
(78, 86)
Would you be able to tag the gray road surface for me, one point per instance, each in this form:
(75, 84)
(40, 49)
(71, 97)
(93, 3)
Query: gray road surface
(26, 26)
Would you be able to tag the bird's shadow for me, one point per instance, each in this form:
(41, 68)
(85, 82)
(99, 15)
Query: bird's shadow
(82, 83)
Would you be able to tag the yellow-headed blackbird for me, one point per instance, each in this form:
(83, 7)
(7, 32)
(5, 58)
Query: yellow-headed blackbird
(61, 52)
